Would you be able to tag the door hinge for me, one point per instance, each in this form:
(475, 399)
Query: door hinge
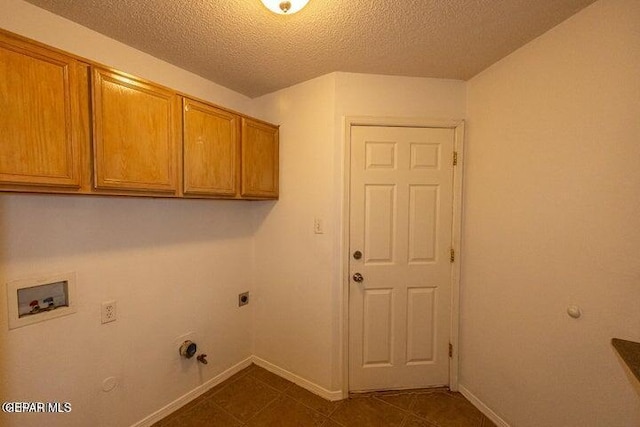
(455, 158)
(450, 350)
(453, 255)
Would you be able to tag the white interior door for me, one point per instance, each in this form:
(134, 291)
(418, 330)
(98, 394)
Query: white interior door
(401, 210)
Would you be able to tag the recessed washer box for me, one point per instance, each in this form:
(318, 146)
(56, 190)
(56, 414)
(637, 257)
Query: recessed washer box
(38, 299)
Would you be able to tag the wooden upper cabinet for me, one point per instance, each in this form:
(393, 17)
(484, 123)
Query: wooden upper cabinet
(40, 116)
(210, 150)
(259, 159)
(136, 134)
(73, 126)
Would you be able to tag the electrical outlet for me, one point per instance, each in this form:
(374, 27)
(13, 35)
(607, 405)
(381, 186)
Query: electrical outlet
(108, 311)
(243, 299)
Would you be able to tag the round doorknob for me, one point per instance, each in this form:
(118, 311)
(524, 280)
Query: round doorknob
(358, 278)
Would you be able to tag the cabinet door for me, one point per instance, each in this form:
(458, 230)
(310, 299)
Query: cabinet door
(136, 128)
(210, 150)
(259, 160)
(40, 125)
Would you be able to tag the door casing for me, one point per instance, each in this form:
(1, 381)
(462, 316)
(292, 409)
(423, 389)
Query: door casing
(458, 127)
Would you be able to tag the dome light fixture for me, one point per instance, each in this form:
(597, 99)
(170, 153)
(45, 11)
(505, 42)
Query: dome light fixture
(285, 7)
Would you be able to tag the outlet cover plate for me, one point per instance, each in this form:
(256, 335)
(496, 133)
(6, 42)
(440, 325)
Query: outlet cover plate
(108, 312)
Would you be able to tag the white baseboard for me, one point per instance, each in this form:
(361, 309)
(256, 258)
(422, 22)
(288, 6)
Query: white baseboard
(302, 382)
(482, 407)
(193, 394)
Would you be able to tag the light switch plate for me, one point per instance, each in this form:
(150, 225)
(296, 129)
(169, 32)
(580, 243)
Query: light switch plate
(318, 226)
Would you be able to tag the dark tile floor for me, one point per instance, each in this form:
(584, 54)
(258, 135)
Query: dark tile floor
(255, 397)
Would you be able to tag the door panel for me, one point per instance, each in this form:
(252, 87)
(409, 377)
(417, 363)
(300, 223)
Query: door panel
(401, 219)
(423, 223)
(380, 206)
(421, 304)
(378, 327)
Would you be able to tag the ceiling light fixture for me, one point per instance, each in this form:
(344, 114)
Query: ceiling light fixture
(286, 7)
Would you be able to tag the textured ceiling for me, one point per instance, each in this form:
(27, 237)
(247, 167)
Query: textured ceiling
(241, 45)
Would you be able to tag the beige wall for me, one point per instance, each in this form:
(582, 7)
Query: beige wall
(402, 97)
(298, 318)
(552, 199)
(293, 266)
(551, 219)
(173, 266)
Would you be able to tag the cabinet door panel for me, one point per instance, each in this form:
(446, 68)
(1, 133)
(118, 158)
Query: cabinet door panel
(134, 134)
(210, 150)
(259, 159)
(39, 123)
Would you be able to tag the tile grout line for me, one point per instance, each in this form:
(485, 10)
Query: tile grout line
(335, 422)
(410, 411)
(433, 423)
(262, 409)
(225, 411)
(285, 391)
(284, 394)
(407, 412)
(231, 380)
(328, 416)
(413, 398)
(244, 373)
(391, 404)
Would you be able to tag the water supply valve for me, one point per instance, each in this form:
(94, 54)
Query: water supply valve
(202, 358)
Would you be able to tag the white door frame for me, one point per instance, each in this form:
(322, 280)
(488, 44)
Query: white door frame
(456, 236)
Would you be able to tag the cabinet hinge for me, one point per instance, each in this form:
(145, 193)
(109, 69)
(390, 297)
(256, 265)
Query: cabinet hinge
(450, 350)
(453, 255)
(455, 158)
